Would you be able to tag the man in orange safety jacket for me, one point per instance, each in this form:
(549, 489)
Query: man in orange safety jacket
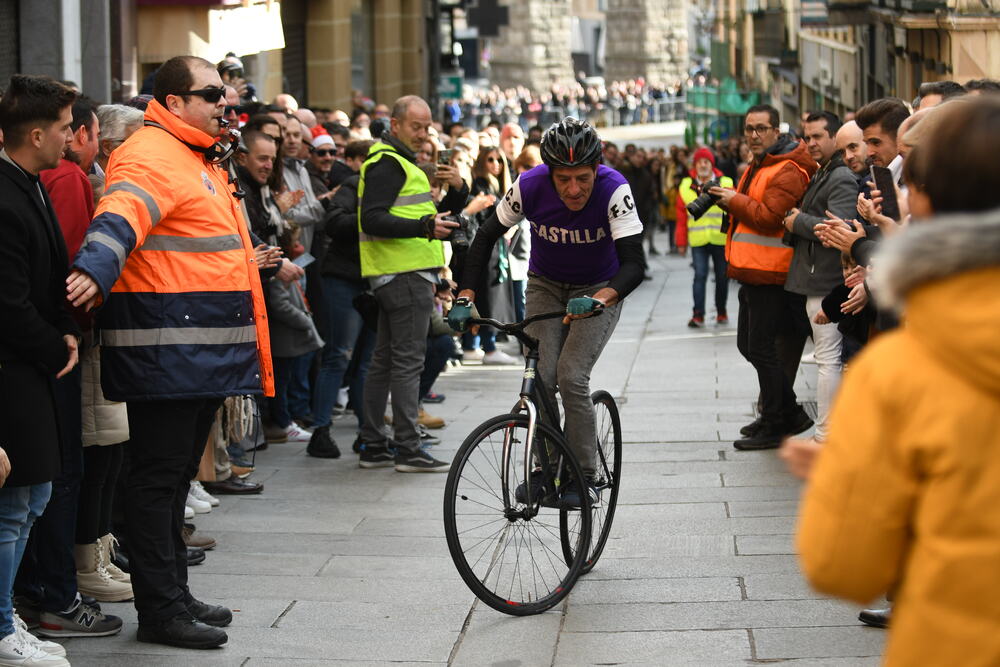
(182, 325)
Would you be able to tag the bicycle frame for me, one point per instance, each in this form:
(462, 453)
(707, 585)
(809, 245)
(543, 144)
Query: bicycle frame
(532, 389)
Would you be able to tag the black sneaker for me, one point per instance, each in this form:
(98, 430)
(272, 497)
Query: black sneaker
(84, 621)
(766, 437)
(425, 436)
(751, 428)
(432, 397)
(321, 445)
(569, 495)
(419, 461)
(210, 614)
(376, 457)
(538, 490)
(799, 421)
(356, 445)
(182, 630)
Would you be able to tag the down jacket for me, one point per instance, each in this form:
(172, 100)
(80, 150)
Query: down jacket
(905, 495)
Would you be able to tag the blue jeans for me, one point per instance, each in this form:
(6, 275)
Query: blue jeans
(700, 256)
(282, 404)
(19, 507)
(298, 386)
(346, 336)
(486, 338)
(47, 572)
(439, 349)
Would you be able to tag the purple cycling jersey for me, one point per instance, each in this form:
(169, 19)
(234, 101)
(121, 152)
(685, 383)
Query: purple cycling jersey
(575, 247)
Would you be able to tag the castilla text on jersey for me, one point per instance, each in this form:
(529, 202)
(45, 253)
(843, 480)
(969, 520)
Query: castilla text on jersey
(575, 236)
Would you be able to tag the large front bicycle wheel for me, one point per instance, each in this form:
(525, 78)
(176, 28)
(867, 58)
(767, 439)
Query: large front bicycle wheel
(509, 552)
(608, 482)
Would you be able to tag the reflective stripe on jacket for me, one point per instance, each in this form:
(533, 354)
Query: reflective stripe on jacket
(183, 312)
(383, 256)
(708, 228)
(755, 255)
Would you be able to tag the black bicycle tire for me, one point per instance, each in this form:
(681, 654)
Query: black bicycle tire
(601, 396)
(451, 530)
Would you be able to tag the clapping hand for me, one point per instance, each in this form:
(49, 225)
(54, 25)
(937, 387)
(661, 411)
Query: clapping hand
(836, 233)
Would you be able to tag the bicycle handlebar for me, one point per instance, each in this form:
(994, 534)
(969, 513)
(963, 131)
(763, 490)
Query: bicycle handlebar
(516, 329)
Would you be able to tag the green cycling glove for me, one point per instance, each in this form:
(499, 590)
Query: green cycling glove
(460, 314)
(582, 305)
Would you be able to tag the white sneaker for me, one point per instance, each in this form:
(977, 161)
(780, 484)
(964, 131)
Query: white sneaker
(188, 512)
(199, 492)
(199, 506)
(52, 648)
(298, 434)
(499, 358)
(15, 650)
(472, 355)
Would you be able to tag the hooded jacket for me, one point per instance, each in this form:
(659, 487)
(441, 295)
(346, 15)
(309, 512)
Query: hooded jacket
(905, 494)
(780, 177)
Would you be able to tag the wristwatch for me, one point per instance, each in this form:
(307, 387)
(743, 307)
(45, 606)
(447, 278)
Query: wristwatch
(463, 301)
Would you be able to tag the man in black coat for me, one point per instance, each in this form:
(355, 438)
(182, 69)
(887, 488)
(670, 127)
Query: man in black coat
(38, 338)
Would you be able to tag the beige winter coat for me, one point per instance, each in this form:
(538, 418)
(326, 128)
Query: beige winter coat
(104, 422)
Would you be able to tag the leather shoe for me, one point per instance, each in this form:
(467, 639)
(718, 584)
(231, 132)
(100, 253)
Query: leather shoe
(201, 541)
(751, 428)
(799, 421)
(182, 630)
(232, 486)
(877, 618)
(210, 614)
(196, 556)
(766, 437)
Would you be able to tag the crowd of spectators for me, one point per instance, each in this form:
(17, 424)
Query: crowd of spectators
(92, 505)
(616, 103)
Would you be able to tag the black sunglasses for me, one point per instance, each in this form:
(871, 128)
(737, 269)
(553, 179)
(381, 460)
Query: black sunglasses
(234, 109)
(323, 152)
(210, 95)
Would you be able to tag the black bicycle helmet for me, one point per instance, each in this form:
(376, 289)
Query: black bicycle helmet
(571, 143)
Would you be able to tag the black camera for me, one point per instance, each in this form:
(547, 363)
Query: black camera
(459, 236)
(705, 201)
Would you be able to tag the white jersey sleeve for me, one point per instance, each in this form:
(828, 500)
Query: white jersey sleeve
(622, 215)
(510, 210)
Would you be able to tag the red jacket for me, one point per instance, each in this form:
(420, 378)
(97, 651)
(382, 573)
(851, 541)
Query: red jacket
(73, 201)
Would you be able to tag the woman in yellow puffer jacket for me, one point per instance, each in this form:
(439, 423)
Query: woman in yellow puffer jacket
(905, 494)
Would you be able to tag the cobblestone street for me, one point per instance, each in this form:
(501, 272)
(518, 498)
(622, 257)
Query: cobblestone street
(333, 564)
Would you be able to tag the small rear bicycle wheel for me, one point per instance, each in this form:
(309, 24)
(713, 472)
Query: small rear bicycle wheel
(608, 474)
(510, 554)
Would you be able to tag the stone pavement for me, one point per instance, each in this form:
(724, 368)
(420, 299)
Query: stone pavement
(336, 565)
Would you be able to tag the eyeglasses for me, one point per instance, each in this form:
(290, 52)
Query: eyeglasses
(233, 109)
(759, 130)
(324, 152)
(210, 95)
(492, 159)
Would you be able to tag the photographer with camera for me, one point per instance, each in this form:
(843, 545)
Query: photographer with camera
(771, 186)
(699, 224)
(401, 251)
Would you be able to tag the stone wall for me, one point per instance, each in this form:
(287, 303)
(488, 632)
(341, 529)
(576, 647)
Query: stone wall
(647, 38)
(534, 48)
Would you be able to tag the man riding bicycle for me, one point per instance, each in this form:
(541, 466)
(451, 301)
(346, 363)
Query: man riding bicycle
(586, 254)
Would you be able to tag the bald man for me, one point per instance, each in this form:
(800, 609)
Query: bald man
(850, 140)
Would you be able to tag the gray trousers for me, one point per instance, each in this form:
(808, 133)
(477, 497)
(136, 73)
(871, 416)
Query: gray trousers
(567, 355)
(404, 315)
